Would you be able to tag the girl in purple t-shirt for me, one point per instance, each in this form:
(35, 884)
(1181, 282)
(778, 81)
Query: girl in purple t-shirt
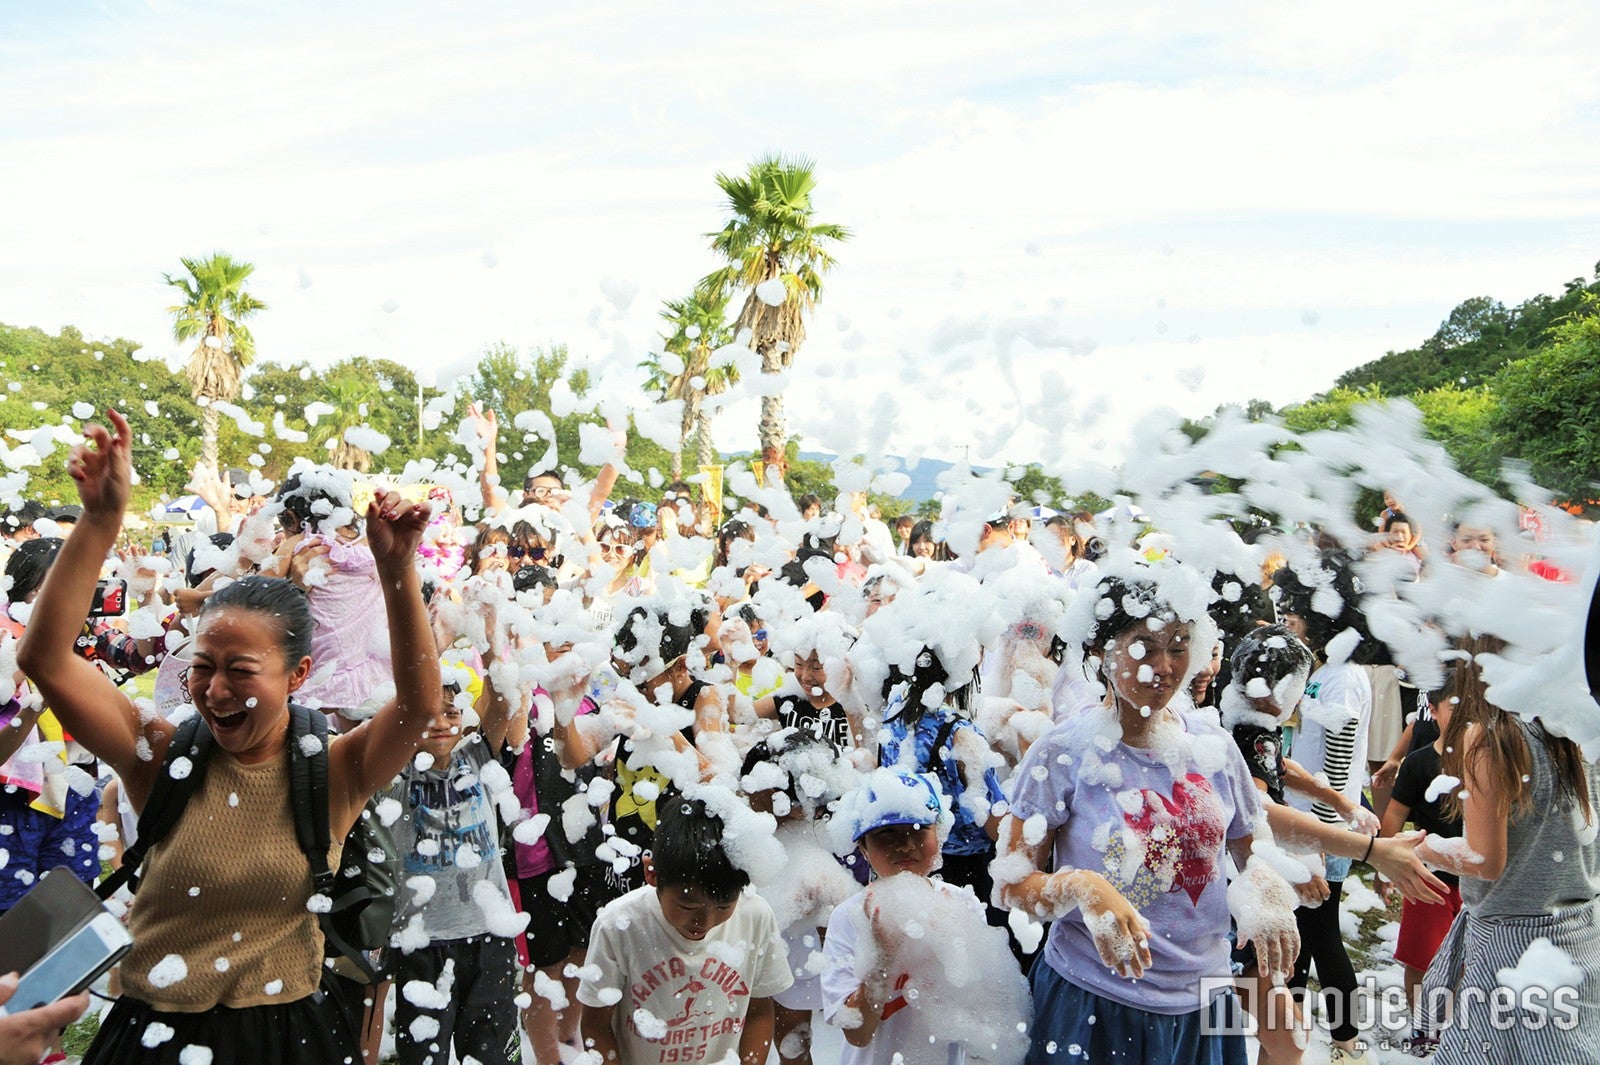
(1135, 807)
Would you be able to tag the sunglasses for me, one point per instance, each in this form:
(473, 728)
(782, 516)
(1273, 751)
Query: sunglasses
(532, 554)
(613, 549)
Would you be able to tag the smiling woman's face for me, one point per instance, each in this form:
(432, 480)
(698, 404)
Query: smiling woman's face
(240, 682)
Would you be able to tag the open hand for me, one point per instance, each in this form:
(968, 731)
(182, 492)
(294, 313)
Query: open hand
(1396, 859)
(395, 528)
(1120, 933)
(103, 467)
(485, 424)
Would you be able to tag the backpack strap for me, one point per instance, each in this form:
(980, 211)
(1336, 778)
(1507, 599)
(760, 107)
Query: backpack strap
(308, 790)
(168, 797)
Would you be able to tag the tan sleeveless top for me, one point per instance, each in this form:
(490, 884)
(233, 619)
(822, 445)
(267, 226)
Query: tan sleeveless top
(226, 893)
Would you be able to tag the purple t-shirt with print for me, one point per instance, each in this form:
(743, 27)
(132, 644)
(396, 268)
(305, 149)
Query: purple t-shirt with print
(1159, 837)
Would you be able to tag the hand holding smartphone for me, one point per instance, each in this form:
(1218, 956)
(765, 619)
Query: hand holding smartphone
(60, 938)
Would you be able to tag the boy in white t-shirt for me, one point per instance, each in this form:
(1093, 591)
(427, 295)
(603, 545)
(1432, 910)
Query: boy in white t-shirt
(898, 820)
(684, 968)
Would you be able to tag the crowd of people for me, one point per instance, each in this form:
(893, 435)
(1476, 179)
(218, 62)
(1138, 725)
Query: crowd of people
(681, 779)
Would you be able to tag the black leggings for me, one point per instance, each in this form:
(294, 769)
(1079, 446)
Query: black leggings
(1322, 944)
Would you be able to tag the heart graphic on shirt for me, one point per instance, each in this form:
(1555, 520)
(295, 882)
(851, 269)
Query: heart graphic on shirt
(1182, 834)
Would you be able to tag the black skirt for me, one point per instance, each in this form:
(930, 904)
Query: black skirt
(310, 1031)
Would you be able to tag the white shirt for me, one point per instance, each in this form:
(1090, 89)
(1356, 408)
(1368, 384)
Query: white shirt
(847, 928)
(1337, 695)
(672, 994)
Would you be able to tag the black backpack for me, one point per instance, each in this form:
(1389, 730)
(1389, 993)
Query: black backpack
(362, 893)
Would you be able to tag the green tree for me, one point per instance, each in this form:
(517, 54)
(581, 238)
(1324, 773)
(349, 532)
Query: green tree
(1331, 410)
(42, 378)
(1462, 420)
(688, 369)
(355, 400)
(770, 237)
(1549, 408)
(214, 308)
(1479, 336)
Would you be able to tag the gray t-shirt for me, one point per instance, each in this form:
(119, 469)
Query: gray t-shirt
(448, 832)
(1552, 858)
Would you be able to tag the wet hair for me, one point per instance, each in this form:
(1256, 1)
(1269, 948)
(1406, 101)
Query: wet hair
(28, 565)
(1270, 652)
(282, 600)
(22, 516)
(1295, 595)
(191, 576)
(927, 672)
(673, 642)
(487, 538)
(1502, 752)
(687, 851)
(1123, 604)
(527, 482)
(732, 529)
(301, 509)
(1391, 518)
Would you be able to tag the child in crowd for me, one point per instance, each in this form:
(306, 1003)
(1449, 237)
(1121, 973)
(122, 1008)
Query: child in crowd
(897, 820)
(457, 967)
(1423, 926)
(684, 968)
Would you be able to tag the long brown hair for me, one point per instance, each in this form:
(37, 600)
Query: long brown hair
(1501, 753)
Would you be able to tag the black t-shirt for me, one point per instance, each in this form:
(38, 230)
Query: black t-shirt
(1411, 790)
(1263, 753)
(1424, 730)
(826, 723)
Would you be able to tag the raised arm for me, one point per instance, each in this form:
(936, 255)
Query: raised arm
(90, 707)
(488, 428)
(370, 755)
(494, 705)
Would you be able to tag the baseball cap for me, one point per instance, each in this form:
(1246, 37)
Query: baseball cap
(889, 797)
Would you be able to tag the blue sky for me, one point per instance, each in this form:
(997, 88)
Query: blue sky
(1185, 204)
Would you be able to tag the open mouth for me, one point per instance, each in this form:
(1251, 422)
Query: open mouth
(227, 722)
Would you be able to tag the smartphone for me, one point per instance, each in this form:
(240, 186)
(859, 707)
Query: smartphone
(72, 965)
(110, 599)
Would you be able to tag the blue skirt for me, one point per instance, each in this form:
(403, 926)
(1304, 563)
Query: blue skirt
(1072, 1026)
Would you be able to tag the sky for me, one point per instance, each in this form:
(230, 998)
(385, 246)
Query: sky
(1065, 215)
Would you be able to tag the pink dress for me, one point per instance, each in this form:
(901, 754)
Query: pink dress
(350, 638)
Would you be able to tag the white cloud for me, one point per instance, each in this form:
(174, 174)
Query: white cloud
(1272, 193)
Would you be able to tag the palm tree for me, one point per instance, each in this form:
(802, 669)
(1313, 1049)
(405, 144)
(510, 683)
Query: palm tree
(214, 308)
(770, 236)
(353, 399)
(699, 326)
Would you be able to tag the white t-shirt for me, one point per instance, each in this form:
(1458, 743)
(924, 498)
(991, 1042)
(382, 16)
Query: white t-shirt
(1334, 719)
(678, 1000)
(847, 928)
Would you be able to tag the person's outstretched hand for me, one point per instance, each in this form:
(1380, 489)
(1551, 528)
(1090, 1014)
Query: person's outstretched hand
(103, 468)
(395, 528)
(25, 1036)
